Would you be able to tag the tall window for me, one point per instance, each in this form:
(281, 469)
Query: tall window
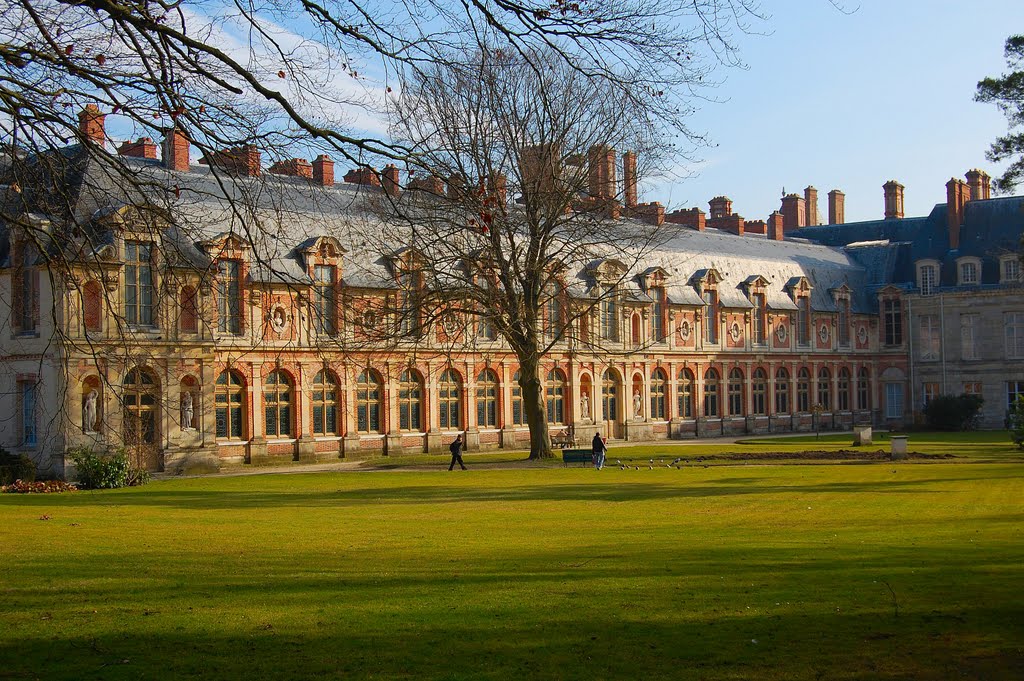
(803, 320)
(970, 325)
(929, 337)
(803, 390)
(449, 399)
(844, 389)
(277, 403)
(368, 397)
(229, 296)
(844, 322)
(735, 390)
(825, 388)
(407, 309)
(553, 322)
(485, 329)
(929, 279)
(1014, 391)
(658, 314)
(968, 273)
(684, 394)
(229, 398)
(410, 401)
(487, 399)
(27, 393)
(711, 316)
(659, 383)
(138, 283)
(323, 299)
(189, 316)
(760, 318)
(609, 396)
(759, 391)
(609, 314)
(892, 317)
(554, 392)
(893, 400)
(781, 391)
(1013, 323)
(863, 389)
(929, 391)
(325, 404)
(27, 298)
(712, 384)
(1010, 270)
(518, 418)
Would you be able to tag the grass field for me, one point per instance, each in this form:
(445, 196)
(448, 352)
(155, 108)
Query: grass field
(874, 571)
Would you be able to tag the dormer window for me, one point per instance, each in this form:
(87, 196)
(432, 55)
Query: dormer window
(1009, 269)
(657, 293)
(711, 307)
(229, 296)
(324, 305)
(969, 271)
(760, 318)
(138, 283)
(928, 277)
(609, 314)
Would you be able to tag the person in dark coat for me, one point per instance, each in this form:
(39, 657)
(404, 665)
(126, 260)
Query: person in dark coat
(600, 450)
(456, 449)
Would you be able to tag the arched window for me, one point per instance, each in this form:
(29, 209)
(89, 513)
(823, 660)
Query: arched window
(863, 389)
(410, 401)
(325, 404)
(712, 386)
(368, 397)
(844, 389)
(825, 388)
(189, 315)
(635, 329)
(781, 391)
(759, 392)
(92, 306)
(449, 399)
(140, 400)
(803, 390)
(518, 418)
(487, 399)
(229, 396)
(735, 389)
(554, 391)
(277, 404)
(658, 388)
(684, 394)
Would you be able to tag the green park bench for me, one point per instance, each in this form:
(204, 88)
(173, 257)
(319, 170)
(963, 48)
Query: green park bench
(584, 456)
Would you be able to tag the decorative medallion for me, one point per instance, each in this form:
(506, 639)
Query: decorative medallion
(684, 330)
(780, 333)
(823, 333)
(450, 323)
(862, 335)
(734, 332)
(369, 319)
(279, 318)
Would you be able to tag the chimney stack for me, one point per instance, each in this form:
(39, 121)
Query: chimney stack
(980, 184)
(389, 177)
(811, 206)
(794, 212)
(541, 169)
(652, 213)
(721, 207)
(601, 173)
(986, 186)
(629, 178)
(175, 151)
(776, 226)
(243, 161)
(323, 170)
(691, 218)
(836, 207)
(294, 167)
(957, 195)
(364, 175)
(893, 192)
(144, 148)
(90, 124)
(755, 227)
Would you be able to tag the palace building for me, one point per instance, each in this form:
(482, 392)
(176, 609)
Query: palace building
(197, 333)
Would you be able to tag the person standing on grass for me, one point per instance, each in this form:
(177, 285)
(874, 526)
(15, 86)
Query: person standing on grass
(456, 450)
(600, 447)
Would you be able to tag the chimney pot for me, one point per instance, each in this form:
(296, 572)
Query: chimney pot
(776, 226)
(893, 193)
(836, 207)
(91, 124)
(811, 206)
(176, 151)
(794, 212)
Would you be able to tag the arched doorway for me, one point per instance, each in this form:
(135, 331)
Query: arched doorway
(142, 419)
(611, 394)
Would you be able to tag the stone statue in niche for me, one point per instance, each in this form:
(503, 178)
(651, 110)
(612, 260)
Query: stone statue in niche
(585, 407)
(187, 411)
(638, 405)
(90, 411)
(278, 319)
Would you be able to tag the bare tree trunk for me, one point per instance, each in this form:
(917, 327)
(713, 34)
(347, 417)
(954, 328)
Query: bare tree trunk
(533, 407)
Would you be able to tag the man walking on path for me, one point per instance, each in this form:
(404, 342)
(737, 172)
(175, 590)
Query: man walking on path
(456, 450)
(600, 449)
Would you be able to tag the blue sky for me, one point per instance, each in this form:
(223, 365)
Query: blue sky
(849, 101)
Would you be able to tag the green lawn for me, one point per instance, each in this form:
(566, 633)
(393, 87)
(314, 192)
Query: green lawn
(879, 571)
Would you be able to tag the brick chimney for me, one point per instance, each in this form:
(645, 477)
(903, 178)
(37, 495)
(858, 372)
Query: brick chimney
(755, 227)
(776, 226)
(175, 151)
(986, 186)
(389, 179)
(980, 184)
(144, 148)
(541, 169)
(721, 207)
(957, 195)
(430, 184)
(811, 206)
(323, 170)
(293, 167)
(691, 218)
(243, 161)
(794, 212)
(893, 192)
(731, 223)
(836, 207)
(90, 124)
(629, 178)
(652, 213)
(601, 172)
(364, 175)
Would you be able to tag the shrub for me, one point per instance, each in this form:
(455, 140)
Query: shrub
(1016, 422)
(954, 412)
(38, 487)
(15, 467)
(106, 471)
